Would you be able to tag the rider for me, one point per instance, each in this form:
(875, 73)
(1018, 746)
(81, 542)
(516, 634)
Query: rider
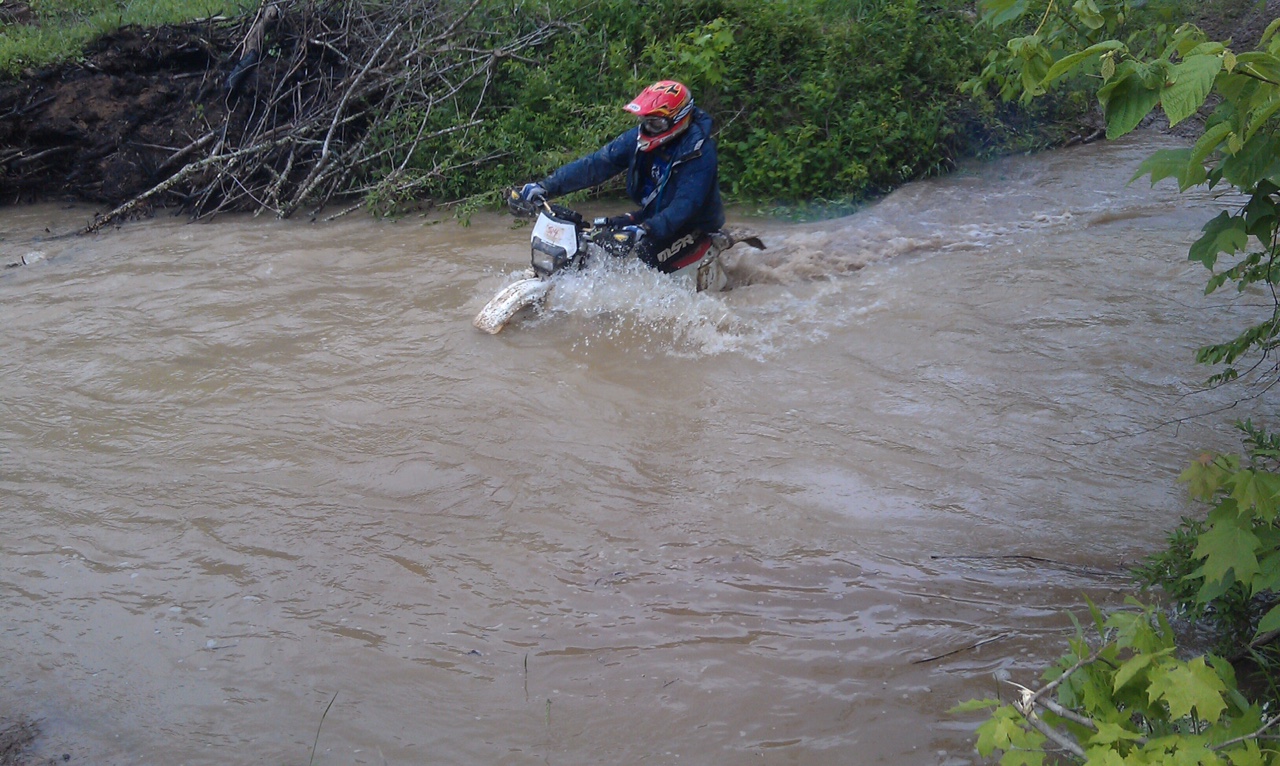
(671, 167)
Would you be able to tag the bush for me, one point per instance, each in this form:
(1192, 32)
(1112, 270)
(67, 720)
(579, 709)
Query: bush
(813, 99)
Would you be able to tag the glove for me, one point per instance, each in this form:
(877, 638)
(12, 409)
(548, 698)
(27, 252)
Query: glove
(617, 221)
(533, 193)
(625, 240)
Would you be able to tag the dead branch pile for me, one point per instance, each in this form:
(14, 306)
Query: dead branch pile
(311, 83)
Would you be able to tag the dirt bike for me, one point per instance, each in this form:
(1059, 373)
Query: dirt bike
(563, 240)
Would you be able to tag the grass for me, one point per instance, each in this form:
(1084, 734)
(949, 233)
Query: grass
(60, 29)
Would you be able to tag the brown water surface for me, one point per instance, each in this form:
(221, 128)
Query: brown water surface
(248, 466)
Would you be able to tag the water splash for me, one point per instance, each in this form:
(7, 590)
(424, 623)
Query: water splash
(809, 281)
(629, 305)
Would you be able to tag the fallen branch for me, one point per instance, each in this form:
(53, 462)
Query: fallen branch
(1026, 706)
(171, 182)
(317, 120)
(20, 161)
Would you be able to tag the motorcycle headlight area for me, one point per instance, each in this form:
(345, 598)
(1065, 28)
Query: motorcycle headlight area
(548, 258)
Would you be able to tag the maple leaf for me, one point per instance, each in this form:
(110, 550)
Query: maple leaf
(1226, 546)
(1189, 686)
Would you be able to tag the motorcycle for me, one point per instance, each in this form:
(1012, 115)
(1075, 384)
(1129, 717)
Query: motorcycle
(563, 240)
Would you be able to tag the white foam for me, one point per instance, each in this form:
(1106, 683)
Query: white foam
(630, 305)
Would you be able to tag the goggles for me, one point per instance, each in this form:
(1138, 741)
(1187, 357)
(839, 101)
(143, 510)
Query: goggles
(655, 125)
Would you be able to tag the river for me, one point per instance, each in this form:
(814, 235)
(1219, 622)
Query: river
(256, 470)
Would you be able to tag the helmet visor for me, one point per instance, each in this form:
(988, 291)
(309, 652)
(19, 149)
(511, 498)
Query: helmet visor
(655, 125)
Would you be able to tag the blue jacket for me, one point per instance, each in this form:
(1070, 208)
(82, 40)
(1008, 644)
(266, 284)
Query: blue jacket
(688, 189)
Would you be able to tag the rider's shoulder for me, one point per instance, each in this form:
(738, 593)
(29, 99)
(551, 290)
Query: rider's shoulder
(697, 139)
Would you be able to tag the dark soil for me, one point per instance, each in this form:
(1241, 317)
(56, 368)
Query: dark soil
(1243, 21)
(102, 130)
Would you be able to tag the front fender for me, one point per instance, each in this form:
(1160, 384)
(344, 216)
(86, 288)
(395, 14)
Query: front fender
(510, 300)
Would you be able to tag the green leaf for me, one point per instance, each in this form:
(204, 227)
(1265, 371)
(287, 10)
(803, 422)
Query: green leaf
(1087, 12)
(999, 12)
(1022, 757)
(1247, 755)
(1203, 477)
(1192, 81)
(1260, 221)
(968, 706)
(1227, 547)
(1067, 63)
(1109, 733)
(1211, 48)
(1268, 577)
(1223, 234)
(1254, 491)
(1108, 69)
(997, 732)
(1132, 668)
(1257, 159)
(1261, 65)
(1190, 686)
(1125, 101)
(1186, 38)
(1210, 590)
(1210, 141)
(1175, 163)
(1261, 113)
(1270, 621)
(1135, 631)
(1271, 30)
(1103, 756)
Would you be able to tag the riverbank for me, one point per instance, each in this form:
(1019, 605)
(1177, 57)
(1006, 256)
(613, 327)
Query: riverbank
(104, 129)
(144, 113)
(310, 109)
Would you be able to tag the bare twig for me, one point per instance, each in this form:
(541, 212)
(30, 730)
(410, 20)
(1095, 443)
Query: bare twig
(962, 649)
(321, 726)
(1062, 740)
(303, 130)
(20, 161)
(1267, 724)
(319, 167)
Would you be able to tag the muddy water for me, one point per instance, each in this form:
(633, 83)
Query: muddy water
(253, 468)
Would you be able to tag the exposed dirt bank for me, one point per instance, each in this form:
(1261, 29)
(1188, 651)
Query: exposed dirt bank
(273, 113)
(1243, 21)
(101, 130)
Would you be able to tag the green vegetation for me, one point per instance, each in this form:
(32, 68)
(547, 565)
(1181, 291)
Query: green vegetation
(1225, 570)
(818, 103)
(1129, 697)
(62, 28)
(814, 99)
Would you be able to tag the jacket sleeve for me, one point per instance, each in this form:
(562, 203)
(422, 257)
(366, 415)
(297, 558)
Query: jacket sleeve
(593, 169)
(693, 182)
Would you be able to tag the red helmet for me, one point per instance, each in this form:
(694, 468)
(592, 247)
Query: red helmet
(665, 109)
